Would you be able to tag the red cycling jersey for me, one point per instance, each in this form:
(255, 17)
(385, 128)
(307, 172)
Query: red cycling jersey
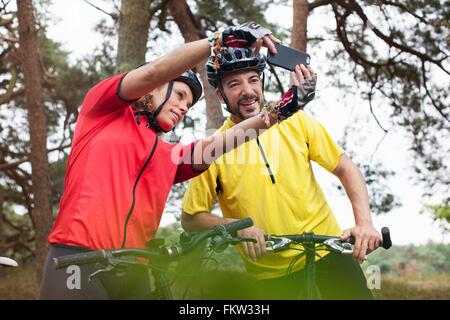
(109, 149)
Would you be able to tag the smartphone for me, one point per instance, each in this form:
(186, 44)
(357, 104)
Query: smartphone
(288, 58)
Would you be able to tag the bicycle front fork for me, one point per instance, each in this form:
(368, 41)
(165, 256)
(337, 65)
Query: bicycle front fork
(162, 284)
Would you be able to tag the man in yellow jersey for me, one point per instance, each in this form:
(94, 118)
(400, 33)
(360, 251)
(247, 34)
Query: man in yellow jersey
(271, 180)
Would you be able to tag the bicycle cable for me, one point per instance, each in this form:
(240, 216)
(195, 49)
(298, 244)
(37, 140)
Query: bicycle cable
(294, 260)
(297, 258)
(189, 285)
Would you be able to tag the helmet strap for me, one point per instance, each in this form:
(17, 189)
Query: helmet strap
(152, 121)
(225, 99)
(263, 83)
(168, 93)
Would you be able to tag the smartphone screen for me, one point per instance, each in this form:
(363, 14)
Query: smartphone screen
(288, 58)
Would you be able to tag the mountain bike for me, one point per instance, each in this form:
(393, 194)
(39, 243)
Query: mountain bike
(311, 243)
(8, 262)
(159, 254)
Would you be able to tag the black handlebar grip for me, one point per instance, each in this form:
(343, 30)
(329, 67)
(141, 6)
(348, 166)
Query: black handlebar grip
(386, 235)
(238, 225)
(79, 259)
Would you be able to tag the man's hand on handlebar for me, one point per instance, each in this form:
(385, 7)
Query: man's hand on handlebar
(253, 250)
(367, 239)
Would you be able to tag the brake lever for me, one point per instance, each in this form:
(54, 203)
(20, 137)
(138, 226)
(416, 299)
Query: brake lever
(338, 246)
(222, 244)
(111, 264)
(244, 239)
(275, 244)
(99, 271)
(237, 240)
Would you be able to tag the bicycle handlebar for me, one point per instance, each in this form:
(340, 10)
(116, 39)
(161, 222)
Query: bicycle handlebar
(386, 242)
(80, 258)
(235, 226)
(187, 243)
(304, 238)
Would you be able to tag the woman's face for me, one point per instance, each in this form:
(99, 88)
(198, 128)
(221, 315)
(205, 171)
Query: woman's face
(175, 107)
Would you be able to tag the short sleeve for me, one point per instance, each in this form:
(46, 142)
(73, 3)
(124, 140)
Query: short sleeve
(322, 148)
(104, 98)
(201, 193)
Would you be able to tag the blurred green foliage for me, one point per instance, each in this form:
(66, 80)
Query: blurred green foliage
(423, 260)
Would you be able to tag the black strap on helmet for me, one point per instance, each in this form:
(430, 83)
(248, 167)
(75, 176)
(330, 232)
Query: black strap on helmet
(151, 116)
(168, 93)
(225, 99)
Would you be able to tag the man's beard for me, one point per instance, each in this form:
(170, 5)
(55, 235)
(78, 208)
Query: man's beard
(237, 110)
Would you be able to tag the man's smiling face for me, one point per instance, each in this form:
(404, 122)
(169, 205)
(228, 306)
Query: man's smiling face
(244, 93)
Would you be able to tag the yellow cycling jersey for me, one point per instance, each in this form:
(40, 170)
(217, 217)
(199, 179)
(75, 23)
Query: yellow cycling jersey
(289, 202)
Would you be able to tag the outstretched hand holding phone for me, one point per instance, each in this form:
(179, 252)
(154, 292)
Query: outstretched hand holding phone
(302, 91)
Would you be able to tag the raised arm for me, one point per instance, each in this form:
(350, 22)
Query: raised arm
(143, 80)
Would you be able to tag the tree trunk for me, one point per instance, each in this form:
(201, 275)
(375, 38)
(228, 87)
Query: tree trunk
(299, 25)
(30, 58)
(2, 231)
(192, 31)
(134, 24)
